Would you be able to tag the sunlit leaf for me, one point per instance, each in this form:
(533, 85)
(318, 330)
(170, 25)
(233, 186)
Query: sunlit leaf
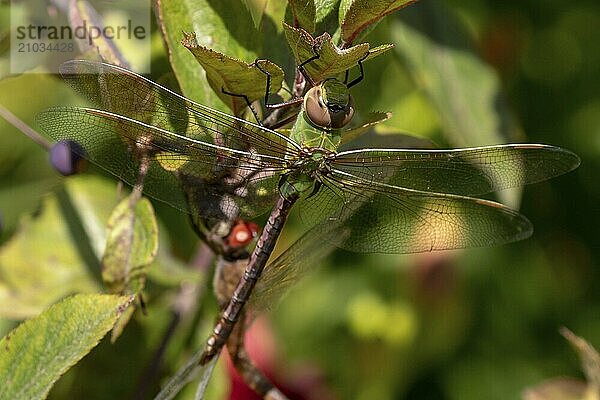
(131, 246)
(66, 239)
(234, 76)
(358, 15)
(332, 60)
(256, 9)
(379, 50)
(39, 351)
(304, 13)
(323, 8)
(84, 14)
(225, 26)
(58, 241)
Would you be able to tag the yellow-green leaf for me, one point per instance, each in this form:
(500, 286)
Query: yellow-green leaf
(360, 14)
(379, 50)
(36, 353)
(256, 8)
(332, 60)
(324, 8)
(132, 243)
(84, 14)
(234, 76)
(304, 13)
(226, 26)
(66, 241)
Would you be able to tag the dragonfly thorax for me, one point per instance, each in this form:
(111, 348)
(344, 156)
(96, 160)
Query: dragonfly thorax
(306, 171)
(329, 104)
(315, 161)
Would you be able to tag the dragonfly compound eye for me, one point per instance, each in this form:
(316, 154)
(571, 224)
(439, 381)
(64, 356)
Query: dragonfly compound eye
(329, 105)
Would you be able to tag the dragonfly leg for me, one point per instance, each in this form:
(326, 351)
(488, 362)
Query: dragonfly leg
(362, 73)
(305, 62)
(247, 100)
(268, 105)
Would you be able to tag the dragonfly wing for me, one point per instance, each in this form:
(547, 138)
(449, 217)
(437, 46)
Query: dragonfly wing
(473, 171)
(295, 263)
(181, 168)
(388, 219)
(126, 93)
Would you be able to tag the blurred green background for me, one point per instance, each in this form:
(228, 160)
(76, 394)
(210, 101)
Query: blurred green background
(472, 324)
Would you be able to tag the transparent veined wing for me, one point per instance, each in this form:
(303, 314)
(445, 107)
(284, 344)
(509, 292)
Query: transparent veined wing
(202, 160)
(382, 218)
(181, 168)
(126, 93)
(298, 260)
(469, 172)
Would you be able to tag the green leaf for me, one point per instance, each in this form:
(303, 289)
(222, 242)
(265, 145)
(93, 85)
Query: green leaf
(173, 17)
(323, 8)
(19, 198)
(51, 256)
(131, 246)
(256, 8)
(225, 26)
(93, 199)
(332, 60)
(361, 14)
(304, 13)
(121, 323)
(84, 14)
(379, 50)
(389, 140)
(234, 76)
(35, 354)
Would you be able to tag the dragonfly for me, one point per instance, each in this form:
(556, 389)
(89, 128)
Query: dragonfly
(388, 200)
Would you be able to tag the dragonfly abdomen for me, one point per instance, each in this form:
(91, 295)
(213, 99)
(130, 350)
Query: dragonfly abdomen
(256, 263)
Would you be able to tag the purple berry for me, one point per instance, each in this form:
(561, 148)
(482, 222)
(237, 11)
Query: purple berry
(67, 157)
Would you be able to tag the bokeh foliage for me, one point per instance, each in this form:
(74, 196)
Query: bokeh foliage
(473, 324)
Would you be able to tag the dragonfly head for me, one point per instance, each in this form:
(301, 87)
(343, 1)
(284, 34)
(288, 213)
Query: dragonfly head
(329, 104)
